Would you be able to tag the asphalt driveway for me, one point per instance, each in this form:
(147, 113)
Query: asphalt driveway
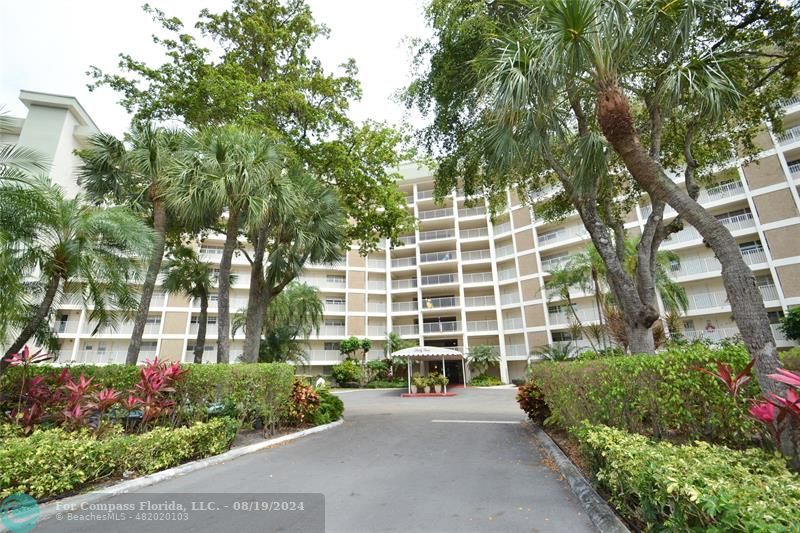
(463, 463)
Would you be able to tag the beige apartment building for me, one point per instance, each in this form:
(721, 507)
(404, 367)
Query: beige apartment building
(462, 280)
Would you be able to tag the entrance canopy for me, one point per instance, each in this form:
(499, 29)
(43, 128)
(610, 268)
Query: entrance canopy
(430, 353)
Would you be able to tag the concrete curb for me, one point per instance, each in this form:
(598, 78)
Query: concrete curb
(596, 507)
(49, 509)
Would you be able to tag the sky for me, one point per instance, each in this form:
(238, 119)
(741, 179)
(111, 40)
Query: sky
(48, 45)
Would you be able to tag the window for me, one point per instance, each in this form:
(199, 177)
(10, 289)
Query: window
(688, 325)
(334, 301)
(334, 322)
(563, 336)
(211, 319)
(331, 346)
(775, 317)
(751, 246)
(153, 320)
(149, 346)
(336, 278)
(764, 280)
(206, 348)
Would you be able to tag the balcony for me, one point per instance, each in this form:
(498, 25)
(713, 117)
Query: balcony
(738, 222)
(508, 298)
(794, 170)
(562, 234)
(433, 257)
(647, 209)
(474, 233)
(69, 326)
(425, 194)
(685, 235)
(550, 264)
(408, 239)
(439, 279)
(500, 229)
(789, 136)
(507, 274)
(565, 317)
(376, 330)
(707, 300)
(714, 335)
(697, 265)
(435, 213)
(504, 251)
(512, 323)
(329, 330)
(376, 285)
(439, 302)
(159, 298)
(479, 301)
(471, 212)
(410, 199)
(478, 277)
(335, 307)
(721, 191)
(441, 327)
(376, 308)
(376, 263)
(481, 325)
(404, 262)
(476, 255)
(404, 330)
(779, 335)
(404, 283)
(324, 355)
(753, 256)
(324, 283)
(404, 307)
(436, 235)
(768, 292)
(516, 350)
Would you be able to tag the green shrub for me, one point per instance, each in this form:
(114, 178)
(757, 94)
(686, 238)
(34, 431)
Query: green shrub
(346, 373)
(791, 359)
(485, 381)
(699, 487)
(659, 395)
(384, 384)
(54, 461)
(330, 409)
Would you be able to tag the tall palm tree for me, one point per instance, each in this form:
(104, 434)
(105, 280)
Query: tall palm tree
(232, 174)
(139, 173)
(185, 273)
(97, 250)
(306, 224)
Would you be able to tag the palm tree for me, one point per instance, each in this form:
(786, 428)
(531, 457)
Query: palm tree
(139, 174)
(306, 223)
(98, 250)
(559, 351)
(185, 273)
(481, 357)
(232, 174)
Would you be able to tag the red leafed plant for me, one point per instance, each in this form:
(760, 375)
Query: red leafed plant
(303, 403)
(725, 374)
(774, 409)
(157, 380)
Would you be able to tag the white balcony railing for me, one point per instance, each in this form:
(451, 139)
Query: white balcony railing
(507, 298)
(69, 326)
(789, 136)
(476, 255)
(715, 335)
(425, 194)
(504, 251)
(685, 235)
(474, 233)
(481, 325)
(403, 307)
(376, 329)
(777, 333)
(506, 274)
(438, 279)
(436, 234)
(404, 283)
(696, 265)
(435, 213)
(723, 190)
(441, 327)
(706, 300)
(737, 222)
(562, 234)
(376, 263)
(478, 277)
(335, 307)
(550, 264)
(404, 262)
(565, 317)
(471, 212)
(512, 323)
(439, 302)
(432, 257)
(647, 209)
(516, 350)
(500, 229)
(408, 239)
(324, 355)
(376, 285)
(479, 301)
(794, 169)
(768, 292)
(331, 331)
(754, 256)
(407, 329)
(376, 307)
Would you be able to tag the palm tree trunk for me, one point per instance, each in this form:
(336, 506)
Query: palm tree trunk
(224, 304)
(256, 306)
(598, 304)
(153, 269)
(35, 322)
(200, 342)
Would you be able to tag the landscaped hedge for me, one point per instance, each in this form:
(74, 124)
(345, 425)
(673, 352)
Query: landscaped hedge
(245, 391)
(54, 461)
(659, 395)
(699, 487)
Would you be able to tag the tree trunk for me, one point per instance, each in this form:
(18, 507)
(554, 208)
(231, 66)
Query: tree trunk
(223, 303)
(153, 269)
(599, 304)
(200, 342)
(640, 338)
(35, 322)
(256, 306)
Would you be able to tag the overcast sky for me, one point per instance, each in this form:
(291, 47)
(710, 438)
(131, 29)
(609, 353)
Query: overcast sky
(47, 46)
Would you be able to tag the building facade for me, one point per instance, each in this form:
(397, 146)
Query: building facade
(463, 280)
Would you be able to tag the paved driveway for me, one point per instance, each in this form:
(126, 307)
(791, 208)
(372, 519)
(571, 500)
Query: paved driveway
(398, 465)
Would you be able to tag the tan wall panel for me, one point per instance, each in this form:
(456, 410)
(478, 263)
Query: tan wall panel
(537, 339)
(534, 316)
(783, 242)
(355, 302)
(530, 290)
(355, 325)
(631, 216)
(177, 300)
(764, 172)
(527, 264)
(524, 240)
(356, 280)
(171, 349)
(355, 259)
(522, 217)
(777, 205)
(763, 140)
(789, 277)
(175, 323)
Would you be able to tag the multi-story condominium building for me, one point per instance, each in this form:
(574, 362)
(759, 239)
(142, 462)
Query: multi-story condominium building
(463, 280)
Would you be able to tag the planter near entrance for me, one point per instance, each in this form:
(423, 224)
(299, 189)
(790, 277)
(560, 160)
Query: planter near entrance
(427, 389)
(413, 389)
(437, 388)
(417, 383)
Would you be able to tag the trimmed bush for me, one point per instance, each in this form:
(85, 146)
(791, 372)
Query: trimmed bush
(699, 487)
(54, 461)
(330, 409)
(347, 373)
(485, 380)
(658, 395)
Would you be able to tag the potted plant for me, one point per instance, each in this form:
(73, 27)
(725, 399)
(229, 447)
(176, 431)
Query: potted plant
(438, 380)
(443, 380)
(427, 384)
(417, 382)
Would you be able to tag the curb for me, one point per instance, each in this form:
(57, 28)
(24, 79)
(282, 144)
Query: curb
(49, 509)
(599, 511)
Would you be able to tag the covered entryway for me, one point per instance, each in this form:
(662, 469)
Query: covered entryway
(442, 358)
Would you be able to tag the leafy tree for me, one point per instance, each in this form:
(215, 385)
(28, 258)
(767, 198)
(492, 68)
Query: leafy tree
(77, 246)
(265, 77)
(559, 351)
(481, 357)
(350, 346)
(139, 173)
(185, 273)
(790, 324)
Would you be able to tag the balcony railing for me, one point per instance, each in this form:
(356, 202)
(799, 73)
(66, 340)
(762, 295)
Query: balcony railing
(516, 350)
(435, 213)
(331, 331)
(565, 317)
(768, 292)
(404, 283)
(376, 307)
(425, 194)
(706, 300)
(506, 274)
(376, 285)
(432, 257)
(794, 169)
(504, 251)
(481, 325)
(647, 209)
(408, 239)
(500, 229)
(715, 335)
(335, 308)
(438, 279)
(324, 283)
(408, 329)
(793, 100)
(789, 136)
(685, 235)
(400, 307)
(441, 327)
(474, 233)
(439, 302)
(409, 199)
(554, 263)
(737, 222)
(696, 265)
(479, 301)
(476, 255)
(436, 234)
(70, 326)
(377, 329)
(376, 263)
(562, 234)
(778, 333)
(404, 262)
(753, 256)
(478, 277)
(324, 355)
(471, 212)
(723, 190)
(512, 323)
(507, 298)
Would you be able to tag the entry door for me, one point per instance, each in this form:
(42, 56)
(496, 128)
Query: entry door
(455, 372)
